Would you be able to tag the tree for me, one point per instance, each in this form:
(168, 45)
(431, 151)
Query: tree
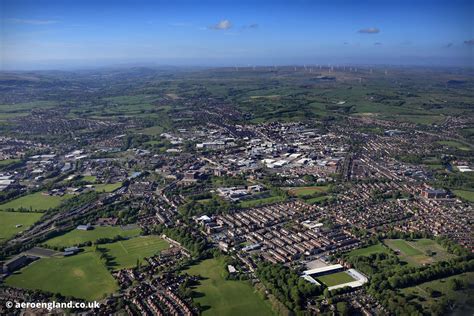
(342, 308)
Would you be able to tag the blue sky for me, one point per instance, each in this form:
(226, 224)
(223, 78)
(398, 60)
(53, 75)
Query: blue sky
(56, 34)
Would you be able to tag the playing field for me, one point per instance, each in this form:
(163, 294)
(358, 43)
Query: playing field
(126, 252)
(418, 252)
(9, 220)
(335, 278)
(36, 201)
(225, 297)
(76, 236)
(83, 276)
(367, 251)
(107, 188)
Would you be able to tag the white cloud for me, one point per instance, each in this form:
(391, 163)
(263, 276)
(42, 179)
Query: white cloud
(370, 30)
(222, 25)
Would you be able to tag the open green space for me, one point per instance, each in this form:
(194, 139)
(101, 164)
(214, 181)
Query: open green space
(9, 220)
(7, 162)
(303, 191)
(462, 298)
(108, 187)
(90, 179)
(125, 253)
(465, 194)
(454, 144)
(35, 202)
(76, 236)
(418, 252)
(335, 278)
(219, 296)
(262, 201)
(367, 251)
(83, 275)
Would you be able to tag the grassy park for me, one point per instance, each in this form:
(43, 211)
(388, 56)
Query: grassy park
(464, 194)
(107, 188)
(367, 251)
(454, 144)
(262, 201)
(76, 237)
(461, 298)
(35, 201)
(304, 191)
(9, 220)
(83, 276)
(219, 296)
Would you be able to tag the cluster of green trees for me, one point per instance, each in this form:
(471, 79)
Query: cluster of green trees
(412, 276)
(214, 205)
(455, 180)
(190, 239)
(388, 275)
(288, 287)
(106, 258)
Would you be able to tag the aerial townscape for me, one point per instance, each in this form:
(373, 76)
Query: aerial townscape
(252, 189)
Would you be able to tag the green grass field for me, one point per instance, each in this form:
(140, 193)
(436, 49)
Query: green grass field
(127, 252)
(464, 194)
(75, 237)
(7, 162)
(219, 296)
(454, 144)
(335, 278)
(316, 199)
(9, 220)
(90, 179)
(367, 251)
(83, 275)
(462, 298)
(303, 191)
(419, 252)
(107, 188)
(263, 201)
(35, 201)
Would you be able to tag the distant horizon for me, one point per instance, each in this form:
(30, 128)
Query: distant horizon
(81, 66)
(51, 34)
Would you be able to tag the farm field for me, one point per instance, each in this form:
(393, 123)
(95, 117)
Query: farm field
(35, 201)
(76, 236)
(219, 296)
(335, 278)
(418, 252)
(126, 252)
(461, 298)
(83, 276)
(9, 220)
(367, 251)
